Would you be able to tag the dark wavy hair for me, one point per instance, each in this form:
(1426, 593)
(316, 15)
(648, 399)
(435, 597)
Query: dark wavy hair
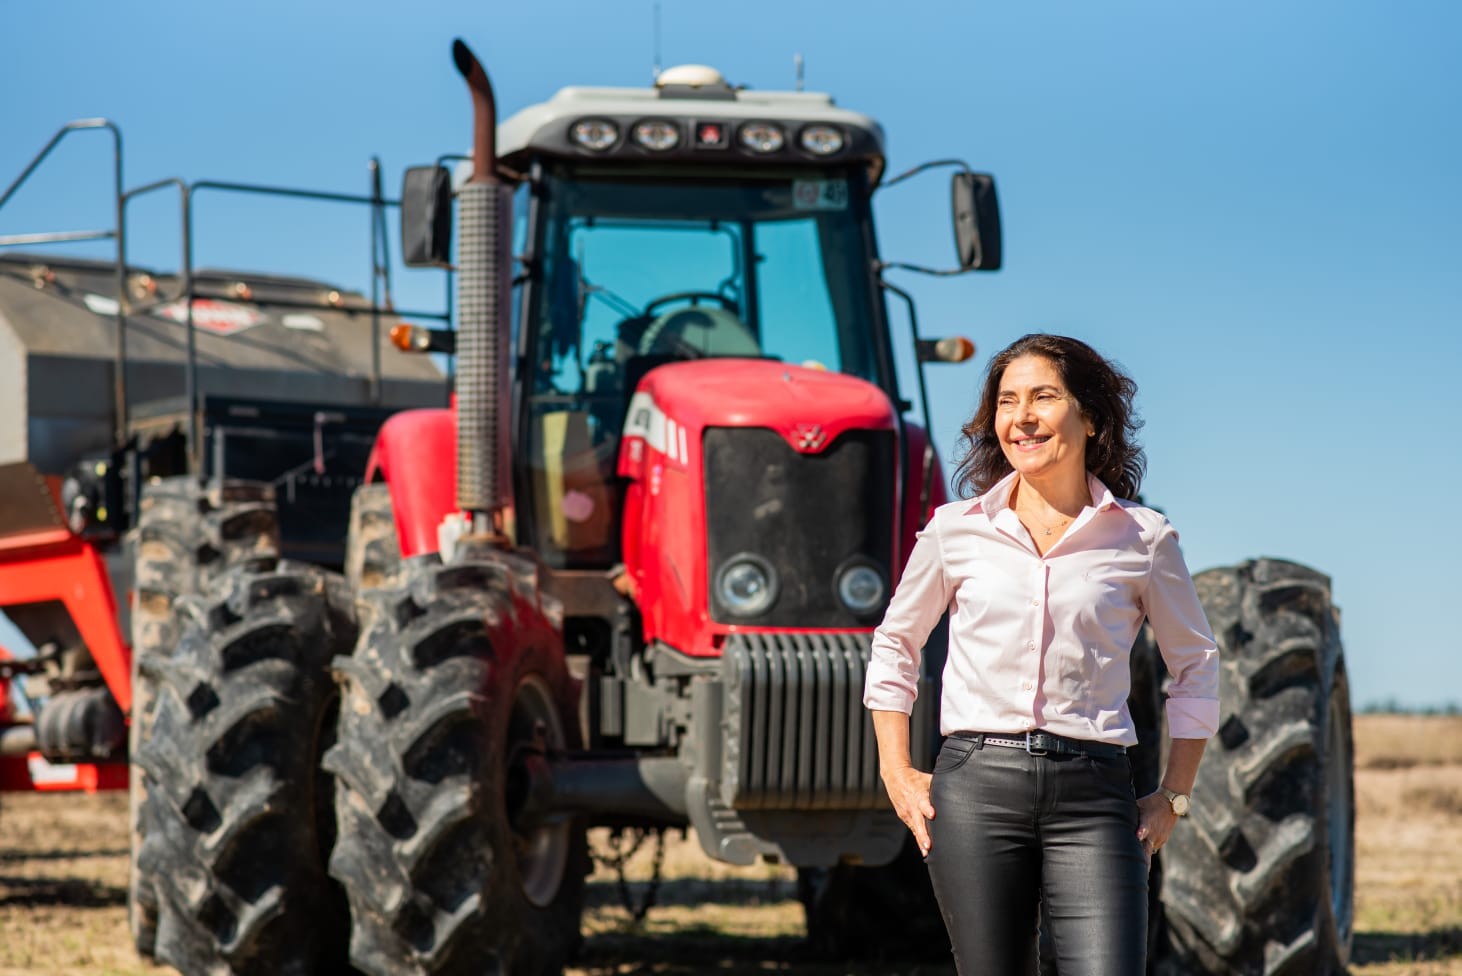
(1103, 393)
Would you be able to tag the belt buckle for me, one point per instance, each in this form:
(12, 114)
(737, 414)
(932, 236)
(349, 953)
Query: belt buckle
(1030, 751)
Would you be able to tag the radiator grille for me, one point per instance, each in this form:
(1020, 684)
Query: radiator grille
(797, 736)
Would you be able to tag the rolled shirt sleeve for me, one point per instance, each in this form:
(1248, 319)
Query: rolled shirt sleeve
(1184, 639)
(922, 596)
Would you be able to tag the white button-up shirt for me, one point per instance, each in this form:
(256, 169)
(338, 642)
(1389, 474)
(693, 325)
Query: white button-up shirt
(1042, 642)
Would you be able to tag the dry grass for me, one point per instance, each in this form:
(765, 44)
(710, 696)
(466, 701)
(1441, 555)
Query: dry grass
(1401, 741)
(63, 866)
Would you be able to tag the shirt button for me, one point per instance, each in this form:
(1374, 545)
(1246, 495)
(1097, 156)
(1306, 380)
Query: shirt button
(1030, 645)
(1035, 603)
(1027, 685)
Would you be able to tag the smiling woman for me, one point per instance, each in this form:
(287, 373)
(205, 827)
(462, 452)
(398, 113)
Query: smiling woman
(1047, 577)
(1064, 372)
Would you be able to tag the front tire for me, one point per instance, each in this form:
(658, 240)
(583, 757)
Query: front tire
(457, 682)
(187, 536)
(1259, 879)
(236, 813)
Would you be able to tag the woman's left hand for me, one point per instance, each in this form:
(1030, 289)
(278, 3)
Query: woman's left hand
(1155, 822)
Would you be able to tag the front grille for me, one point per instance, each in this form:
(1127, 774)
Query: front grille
(797, 736)
(805, 514)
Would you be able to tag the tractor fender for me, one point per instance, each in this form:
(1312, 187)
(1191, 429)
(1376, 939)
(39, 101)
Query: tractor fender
(416, 456)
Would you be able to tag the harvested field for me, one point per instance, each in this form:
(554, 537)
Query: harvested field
(63, 869)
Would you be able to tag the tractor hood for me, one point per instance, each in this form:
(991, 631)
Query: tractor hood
(735, 461)
(808, 408)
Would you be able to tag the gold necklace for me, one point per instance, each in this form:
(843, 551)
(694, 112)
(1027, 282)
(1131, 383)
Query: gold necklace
(1060, 523)
(1049, 528)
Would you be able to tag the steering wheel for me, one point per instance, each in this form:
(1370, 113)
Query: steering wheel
(693, 332)
(694, 297)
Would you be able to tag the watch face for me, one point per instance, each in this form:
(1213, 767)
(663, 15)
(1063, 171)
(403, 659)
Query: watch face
(1180, 805)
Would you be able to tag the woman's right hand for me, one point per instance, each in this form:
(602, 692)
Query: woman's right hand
(909, 790)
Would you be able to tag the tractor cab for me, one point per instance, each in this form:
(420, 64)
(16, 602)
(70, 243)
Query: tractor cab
(688, 221)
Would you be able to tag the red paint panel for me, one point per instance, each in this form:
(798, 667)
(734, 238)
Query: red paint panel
(60, 566)
(416, 455)
(31, 772)
(913, 519)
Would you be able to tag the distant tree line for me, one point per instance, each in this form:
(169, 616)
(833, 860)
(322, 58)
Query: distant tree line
(1390, 706)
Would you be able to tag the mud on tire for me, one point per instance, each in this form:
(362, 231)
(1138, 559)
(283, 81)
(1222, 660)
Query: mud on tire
(372, 550)
(186, 537)
(237, 815)
(1259, 878)
(454, 668)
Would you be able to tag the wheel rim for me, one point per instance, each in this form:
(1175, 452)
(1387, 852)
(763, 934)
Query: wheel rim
(542, 852)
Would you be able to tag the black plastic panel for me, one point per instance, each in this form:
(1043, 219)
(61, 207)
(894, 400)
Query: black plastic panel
(314, 455)
(805, 514)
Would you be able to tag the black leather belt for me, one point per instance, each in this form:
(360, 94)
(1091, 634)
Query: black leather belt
(1040, 743)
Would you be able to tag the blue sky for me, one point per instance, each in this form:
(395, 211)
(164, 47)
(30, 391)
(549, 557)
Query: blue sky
(1253, 205)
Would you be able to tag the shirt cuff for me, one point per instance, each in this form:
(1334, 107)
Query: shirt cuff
(1192, 718)
(888, 700)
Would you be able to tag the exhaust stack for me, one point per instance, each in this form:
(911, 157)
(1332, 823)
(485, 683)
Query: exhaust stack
(484, 285)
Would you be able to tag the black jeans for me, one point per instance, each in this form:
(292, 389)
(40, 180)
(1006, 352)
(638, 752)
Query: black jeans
(1009, 829)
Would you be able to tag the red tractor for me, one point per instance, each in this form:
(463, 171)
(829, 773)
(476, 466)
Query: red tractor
(628, 579)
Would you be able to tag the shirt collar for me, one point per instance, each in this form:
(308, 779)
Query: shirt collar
(997, 499)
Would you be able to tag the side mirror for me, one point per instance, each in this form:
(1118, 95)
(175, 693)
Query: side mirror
(426, 217)
(976, 221)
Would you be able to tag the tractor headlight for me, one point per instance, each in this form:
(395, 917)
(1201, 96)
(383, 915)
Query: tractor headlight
(657, 135)
(861, 587)
(746, 585)
(595, 134)
(762, 137)
(821, 140)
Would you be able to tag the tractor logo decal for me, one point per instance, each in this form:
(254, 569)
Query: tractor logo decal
(810, 438)
(646, 422)
(220, 318)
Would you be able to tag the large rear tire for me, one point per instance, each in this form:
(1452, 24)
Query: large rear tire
(186, 537)
(237, 817)
(1259, 879)
(457, 682)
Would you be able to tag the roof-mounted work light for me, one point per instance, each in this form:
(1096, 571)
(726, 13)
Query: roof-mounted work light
(821, 140)
(762, 137)
(595, 134)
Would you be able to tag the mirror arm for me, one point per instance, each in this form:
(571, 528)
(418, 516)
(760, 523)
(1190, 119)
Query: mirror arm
(921, 269)
(933, 164)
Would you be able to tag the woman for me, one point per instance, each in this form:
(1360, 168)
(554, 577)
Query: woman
(1047, 576)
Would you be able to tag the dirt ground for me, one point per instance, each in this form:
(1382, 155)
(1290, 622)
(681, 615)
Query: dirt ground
(63, 873)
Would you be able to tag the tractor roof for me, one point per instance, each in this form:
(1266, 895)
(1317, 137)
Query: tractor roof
(698, 103)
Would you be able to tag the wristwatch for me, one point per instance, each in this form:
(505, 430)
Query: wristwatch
(1180, 802)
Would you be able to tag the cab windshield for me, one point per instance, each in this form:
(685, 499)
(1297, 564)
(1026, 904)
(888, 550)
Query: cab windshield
(638, 273)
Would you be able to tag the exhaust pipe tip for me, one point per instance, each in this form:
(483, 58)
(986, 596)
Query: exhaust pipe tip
(484, 113)
(464, 58)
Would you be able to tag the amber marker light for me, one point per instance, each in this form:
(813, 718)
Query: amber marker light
(954, 349)
(410, 338)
